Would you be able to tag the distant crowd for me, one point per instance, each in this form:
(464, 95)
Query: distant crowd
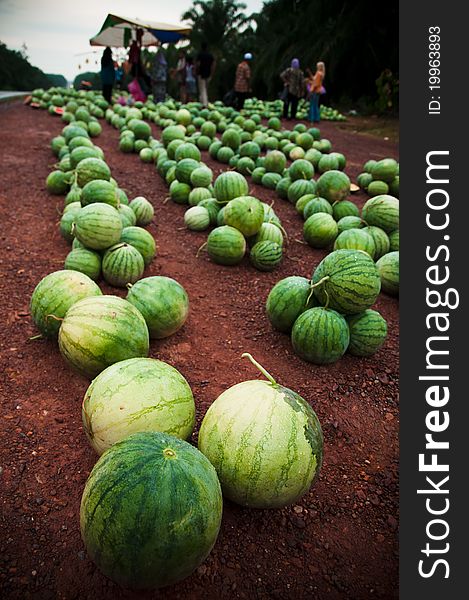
(193, 75)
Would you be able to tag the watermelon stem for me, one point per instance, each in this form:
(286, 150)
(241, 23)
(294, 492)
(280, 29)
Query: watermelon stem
(314, 285)
(260, 367)
(36, 337)
(166, 199)
(54, 317)
(326, 306)
(201, 247)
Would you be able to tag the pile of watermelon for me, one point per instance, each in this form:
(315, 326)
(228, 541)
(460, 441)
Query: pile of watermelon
(380, 177)
(331, 314)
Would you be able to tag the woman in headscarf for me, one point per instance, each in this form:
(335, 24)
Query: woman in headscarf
(294, 83)
(159, 75)
(316, 88)
(108, 74)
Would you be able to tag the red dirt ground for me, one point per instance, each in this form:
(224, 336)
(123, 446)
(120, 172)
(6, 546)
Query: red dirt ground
(339, 541)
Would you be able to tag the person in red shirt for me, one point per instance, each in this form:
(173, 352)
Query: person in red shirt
(242, 85)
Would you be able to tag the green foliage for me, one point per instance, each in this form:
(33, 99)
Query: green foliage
(57, 80)
(93, 78)
(17, 74)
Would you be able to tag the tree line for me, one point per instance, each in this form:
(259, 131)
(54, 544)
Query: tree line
(16, 73)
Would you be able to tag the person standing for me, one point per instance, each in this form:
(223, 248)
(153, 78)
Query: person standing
(191, 84)
(242, 85)
(159, 74)
(204, 66)
(108, 74)
(180, 74)
(294, 83)
(316, 89)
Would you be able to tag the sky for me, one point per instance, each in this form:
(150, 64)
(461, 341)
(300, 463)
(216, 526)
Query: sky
(57, 32)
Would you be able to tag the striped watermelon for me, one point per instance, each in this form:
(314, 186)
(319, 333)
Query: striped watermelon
(201, 177)
(320, 230)
(197, 218)
(268, 231)
(265, 442)
(270, 180)
(320, 335)
(300, 188)
(388, 268)
(302, 202)
(122, 264)
(58, 183)
(385, 170)
(230, 185)
(364, 180)
(179, 192)
(282, 187)
(198, 194)
(213, 208)
(368, 330)
(163, 302)
(301, 169)
(91, 168)
(187, 150)
(381, 240)
(333, 186)
(328, 162)
(55, 294)
(98, 332)
(226, 245)
(275, 161)
(348, 280)
(143, 210)
(166, 505)
(67, 221)
(316, 205)
(355, 239)
(266, 255)
(225, 154)
(382, 211)
(142, 240)
(394, 240)
(138, 394)
(74, 195)
(245, 213)
(99, 190)
(85, 261)
(377, 188)
(287, 300)
(350, 222)
(127, 216)
(98, 226)
(184, 169)
(345, 208)
(81, 152)
(258, 174)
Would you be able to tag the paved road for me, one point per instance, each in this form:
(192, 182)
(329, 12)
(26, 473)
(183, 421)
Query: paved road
(8, 95)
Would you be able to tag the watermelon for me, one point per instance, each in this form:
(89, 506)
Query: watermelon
(313, 156)
(394, 240)
(67, 221)
(377, 188)
(85, 261)
(179, 192)
(268, 231)
(364, 180)
(74, 195)
(245, 213)
(203, 142)
(282, 187)
(80, 141)
(187, 150)
(345, 208)
(287, 300)
(143, 210)
(226, 245)
(266, 255)
(142, 240)
(315, 205)
(99, 190)
(250, 149)
(230, 185)
(388, 268)
(320, 230)
(328, 162)
(225, 154)
(350, 222)
(196, 195)
(270, 180)
(122, 264)
(275, 162)
(214, 147)
(296, 153)
(197, 218)
(245, 165)
(166, 505)
(356, 239)
(98, 226)
(300, 169)
(231, 138)
(91, 168)
(333, 186)
(163, 302)
(385, 170)
(201, 177)
(368, 331)
(138, 394)
(258, 174)
(380, 239)
(184, 169)
(394, 187)
(368, 166)
(172, 147)
(348, 280)
(146, 155)
(98, 332)
(55, 294)
(305, 140)
(382, 211)
(127, 216)
(300, 188)
(58, 183)
(172, 132)
(265, 442)
(320, 335)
